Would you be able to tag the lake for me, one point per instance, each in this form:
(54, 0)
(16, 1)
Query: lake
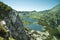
(30, 20)
(33, 26)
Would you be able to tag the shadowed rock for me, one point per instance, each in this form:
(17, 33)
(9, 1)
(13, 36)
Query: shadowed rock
(15, 26)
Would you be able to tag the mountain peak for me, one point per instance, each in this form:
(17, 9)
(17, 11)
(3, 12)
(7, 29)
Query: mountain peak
(4, 8)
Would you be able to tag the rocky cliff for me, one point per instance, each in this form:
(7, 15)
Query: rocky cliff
(13, 23)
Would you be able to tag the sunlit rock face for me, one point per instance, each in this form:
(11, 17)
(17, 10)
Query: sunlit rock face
(4, 30)
(3, 22)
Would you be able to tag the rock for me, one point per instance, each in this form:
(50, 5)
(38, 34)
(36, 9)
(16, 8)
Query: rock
(4, 30)
(37, 35)
(13, 22)
(16, 26)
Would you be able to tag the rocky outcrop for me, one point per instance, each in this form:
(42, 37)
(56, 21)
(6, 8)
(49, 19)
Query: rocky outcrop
(13, 22)
(37, 35)
(15, 26)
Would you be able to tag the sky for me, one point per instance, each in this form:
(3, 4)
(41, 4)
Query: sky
(30, 5)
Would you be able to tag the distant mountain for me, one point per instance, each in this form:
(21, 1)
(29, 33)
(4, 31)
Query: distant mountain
(56, 8)
(38, 14)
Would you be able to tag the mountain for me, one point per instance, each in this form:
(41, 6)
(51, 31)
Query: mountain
(12, 27)
(13, 23)
(4, 9)
(50, 19)
(56, 8)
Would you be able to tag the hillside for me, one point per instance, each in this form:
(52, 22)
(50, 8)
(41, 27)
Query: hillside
(50, 19)
(29, 25)
(10, 24)
(56, 8)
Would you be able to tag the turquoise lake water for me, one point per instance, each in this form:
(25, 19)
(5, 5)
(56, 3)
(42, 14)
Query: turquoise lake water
(30, 20)
(33, 26)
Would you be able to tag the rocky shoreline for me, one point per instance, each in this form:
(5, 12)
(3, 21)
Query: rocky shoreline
(36, 35)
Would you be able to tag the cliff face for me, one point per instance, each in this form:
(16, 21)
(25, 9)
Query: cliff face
(16, 26)
(13, 22)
